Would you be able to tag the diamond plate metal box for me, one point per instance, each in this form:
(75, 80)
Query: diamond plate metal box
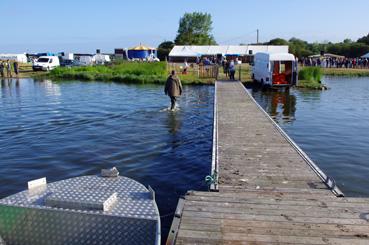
(82, 210)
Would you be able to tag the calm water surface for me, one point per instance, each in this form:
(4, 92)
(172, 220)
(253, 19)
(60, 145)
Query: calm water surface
(331, 126)
(63, 130)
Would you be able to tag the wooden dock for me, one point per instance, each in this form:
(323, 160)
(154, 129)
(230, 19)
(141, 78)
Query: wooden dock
(266, 190)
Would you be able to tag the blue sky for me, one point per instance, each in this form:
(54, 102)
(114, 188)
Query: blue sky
(84, 25)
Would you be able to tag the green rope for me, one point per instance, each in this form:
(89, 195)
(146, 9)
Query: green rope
(211, 179)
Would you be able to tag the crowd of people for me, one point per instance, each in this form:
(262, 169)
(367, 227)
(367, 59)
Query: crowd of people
(229, 65)
(6, 68)
(333, 62)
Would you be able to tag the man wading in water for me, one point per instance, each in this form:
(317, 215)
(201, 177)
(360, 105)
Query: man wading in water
(173, 88)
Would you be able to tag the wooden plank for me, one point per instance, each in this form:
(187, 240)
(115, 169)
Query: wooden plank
(280, 218)
(301, 239)
(175, 223)
(198, 222)
(280, 201)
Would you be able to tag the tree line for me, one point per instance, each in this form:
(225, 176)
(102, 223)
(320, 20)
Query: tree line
(347, 47)
(196, 29)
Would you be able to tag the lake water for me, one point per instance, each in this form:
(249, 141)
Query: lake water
(68, 129)
(331, 126)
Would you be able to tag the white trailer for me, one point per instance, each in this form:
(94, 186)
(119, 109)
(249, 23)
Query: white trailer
(102, 59)
(275, 70)
(68, 56)
(22, 58)
(85, 60)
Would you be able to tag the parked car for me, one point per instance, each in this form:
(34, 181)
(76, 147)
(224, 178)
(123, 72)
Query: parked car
(46, 63)
(68, 63)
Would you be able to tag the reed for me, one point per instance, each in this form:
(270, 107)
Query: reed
(312, 74)
(346, 72)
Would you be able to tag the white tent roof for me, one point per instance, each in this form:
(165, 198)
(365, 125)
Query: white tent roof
(365, 56)
(237, 50)
(14, 57)
(215, 49)
(195, 51)
(184, 51)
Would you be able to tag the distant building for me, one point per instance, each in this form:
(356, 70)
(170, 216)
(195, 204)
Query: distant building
(22, 58)
(242, 52)
(120, 53)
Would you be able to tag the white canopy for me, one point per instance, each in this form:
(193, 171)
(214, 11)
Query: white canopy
(196, 51)
(22, 58)
(184, 51)
(365, 56)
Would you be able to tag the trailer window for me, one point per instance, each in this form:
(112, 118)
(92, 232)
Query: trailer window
(282, 68)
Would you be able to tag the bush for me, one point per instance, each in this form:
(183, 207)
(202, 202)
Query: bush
(312, 74)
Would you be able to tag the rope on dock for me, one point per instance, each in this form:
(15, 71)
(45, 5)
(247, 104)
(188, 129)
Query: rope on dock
(211, 179)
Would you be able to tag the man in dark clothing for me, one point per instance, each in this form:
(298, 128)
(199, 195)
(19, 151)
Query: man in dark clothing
(2, 67)
(16, 68)
(173, 88)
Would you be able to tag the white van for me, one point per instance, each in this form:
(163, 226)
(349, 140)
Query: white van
(46, 63)
(275, 70)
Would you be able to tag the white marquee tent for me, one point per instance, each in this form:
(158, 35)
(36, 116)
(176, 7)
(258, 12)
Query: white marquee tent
(365, 56)
(22, 58)
(241, 50)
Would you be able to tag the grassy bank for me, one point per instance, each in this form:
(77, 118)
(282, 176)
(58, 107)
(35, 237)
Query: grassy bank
(126, 72)
(346, 72)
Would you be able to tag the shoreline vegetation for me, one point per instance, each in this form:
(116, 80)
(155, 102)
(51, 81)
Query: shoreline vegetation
(156, 73)
(124, 72)
(310, 78)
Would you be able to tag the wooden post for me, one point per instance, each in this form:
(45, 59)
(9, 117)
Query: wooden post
(166, 63)
(239, 73)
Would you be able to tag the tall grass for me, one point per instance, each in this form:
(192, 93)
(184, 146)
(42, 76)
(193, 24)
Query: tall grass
(346, 72)
(311, 74)
(123, 72)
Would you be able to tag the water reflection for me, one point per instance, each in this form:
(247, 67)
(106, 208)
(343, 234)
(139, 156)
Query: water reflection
(280, 105)
(174, 123)
(51, 89)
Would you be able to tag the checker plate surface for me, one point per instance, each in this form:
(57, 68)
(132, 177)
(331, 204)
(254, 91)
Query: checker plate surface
(133, 219)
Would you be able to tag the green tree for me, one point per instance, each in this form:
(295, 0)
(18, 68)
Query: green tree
(364, 39)
(164, 49)
(278, 41)
(195, 29)
(299, 48)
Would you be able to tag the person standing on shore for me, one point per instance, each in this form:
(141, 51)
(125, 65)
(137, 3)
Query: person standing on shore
(232, 70)
(8, 69)
(173, 88)
(2, 69)
(16, 68)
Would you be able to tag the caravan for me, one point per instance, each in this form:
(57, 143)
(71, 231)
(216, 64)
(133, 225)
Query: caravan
(275, 70)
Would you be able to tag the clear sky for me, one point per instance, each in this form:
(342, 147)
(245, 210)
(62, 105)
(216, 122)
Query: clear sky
(84, 25)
